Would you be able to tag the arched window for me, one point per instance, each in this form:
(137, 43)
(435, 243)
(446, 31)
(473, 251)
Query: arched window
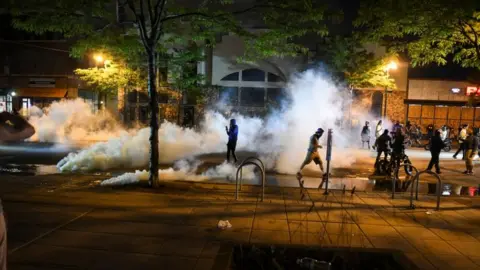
(253, 75)
(231, 77)
(377, 104)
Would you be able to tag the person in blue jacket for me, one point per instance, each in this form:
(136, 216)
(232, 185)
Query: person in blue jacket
(232, 133)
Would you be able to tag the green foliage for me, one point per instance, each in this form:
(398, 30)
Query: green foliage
(177, 33)
(430, 30)
(72, 18)
(111, 77)
(351, 64)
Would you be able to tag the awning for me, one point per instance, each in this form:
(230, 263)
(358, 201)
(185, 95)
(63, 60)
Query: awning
(42, 92)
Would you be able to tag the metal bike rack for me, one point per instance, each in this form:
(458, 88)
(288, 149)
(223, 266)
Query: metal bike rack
(394, 178)
(249, 161)
(439, 188)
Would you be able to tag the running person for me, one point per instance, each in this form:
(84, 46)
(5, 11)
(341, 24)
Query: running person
(312, 153)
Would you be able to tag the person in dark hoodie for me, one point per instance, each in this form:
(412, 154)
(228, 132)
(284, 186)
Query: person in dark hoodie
(436, 147)
(381, 144)
(398, 146)
(232, 133)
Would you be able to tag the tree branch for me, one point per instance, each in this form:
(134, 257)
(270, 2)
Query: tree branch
(159, 9)
(112, 24)
(150, 13)
(238, 12)
(141, 26)
(475, 43)
(462, 29)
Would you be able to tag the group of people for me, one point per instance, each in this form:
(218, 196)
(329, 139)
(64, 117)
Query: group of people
(468, 142)
(379, 131)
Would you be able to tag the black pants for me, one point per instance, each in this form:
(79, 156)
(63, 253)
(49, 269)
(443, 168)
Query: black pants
(231, 149)
(434, 161)
(461, 148)
(379, 154)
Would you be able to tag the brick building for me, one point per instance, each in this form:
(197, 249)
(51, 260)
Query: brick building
(380, 102)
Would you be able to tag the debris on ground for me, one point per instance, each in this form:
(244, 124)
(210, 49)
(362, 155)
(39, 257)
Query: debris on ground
(224, 224)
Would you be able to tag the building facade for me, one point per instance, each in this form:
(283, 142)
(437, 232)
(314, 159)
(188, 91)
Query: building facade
(442, 102)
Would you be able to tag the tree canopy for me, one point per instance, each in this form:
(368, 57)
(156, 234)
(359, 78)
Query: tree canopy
(178, 32)
(430, 31)
(349, 63)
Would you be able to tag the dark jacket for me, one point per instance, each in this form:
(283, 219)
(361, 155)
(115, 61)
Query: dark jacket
(436, 144)
(398, 144)
(472, 143)
(383, 142)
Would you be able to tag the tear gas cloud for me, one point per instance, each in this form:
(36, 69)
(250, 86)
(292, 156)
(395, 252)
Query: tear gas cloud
(70, 121)
(184, 170)
(281, 139)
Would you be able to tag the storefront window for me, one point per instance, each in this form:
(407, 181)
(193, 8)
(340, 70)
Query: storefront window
(91, 98)
(414, 114)
(252, 96)
(441, 114)
(428, 113)
(467, 115)
(9, 103)
(3, 103)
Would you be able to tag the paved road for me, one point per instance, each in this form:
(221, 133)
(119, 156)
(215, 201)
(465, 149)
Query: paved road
(34, 153)
(38, 159)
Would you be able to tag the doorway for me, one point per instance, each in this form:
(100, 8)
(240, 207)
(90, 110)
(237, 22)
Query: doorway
(377, 104)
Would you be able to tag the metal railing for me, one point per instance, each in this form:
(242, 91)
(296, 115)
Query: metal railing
(439, 188)
(415, 184)
(249, 161)
(394, 178)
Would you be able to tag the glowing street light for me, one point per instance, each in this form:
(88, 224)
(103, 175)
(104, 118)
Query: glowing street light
(390, 66)
(13, 94)
(98, 58)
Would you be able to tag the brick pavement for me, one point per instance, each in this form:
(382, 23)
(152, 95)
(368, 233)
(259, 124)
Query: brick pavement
(70, 224)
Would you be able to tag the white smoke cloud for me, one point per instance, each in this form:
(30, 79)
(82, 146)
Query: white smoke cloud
(72, 121)
(281, 139)
(183, 170)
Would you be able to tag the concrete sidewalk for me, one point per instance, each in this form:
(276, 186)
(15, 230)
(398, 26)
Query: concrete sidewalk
(65, 222)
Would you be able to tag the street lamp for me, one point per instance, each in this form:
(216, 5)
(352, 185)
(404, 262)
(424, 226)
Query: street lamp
(391, 66)
(98, 58)
(13, 94)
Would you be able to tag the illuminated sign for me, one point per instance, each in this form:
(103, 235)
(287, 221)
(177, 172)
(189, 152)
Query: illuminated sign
(455, 90)
(472, 90)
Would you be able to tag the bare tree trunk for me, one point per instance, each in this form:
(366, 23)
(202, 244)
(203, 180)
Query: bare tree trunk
(152, 92)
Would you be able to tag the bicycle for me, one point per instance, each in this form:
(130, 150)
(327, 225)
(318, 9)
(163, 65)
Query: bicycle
(389, 167)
